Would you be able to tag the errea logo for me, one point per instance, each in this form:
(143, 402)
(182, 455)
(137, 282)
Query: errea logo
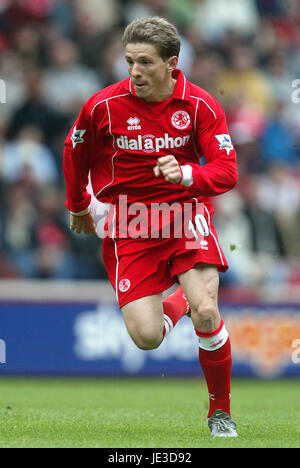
(133, 123)
(203, 245)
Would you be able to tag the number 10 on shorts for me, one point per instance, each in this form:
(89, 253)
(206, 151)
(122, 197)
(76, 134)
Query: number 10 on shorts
(199, 226)
(199, 229)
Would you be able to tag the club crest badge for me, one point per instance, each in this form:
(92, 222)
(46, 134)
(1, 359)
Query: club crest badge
(181, 120)
(124, 285)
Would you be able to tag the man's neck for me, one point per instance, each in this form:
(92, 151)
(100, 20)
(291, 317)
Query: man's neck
(165, 94)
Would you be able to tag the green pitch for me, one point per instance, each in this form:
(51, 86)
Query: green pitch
(159, 413)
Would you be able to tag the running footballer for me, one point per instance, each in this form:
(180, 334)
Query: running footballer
(142, 139)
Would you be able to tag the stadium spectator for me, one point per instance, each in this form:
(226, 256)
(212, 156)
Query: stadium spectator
(278, 141)
(19, 218)
(27, 156)
(243, 82)
(68, 83)
(252, 240)
(35, 112)
(11, 71)
(278, 193)
(270, 7)
(205, 71)
(214, 18)
(280, 76)
(141, 8)
(98, 15)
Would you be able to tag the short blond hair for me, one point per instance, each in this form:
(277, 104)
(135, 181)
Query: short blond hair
(156, 31)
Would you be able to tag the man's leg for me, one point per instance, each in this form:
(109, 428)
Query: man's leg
(144, 321)
(200, 286)
(150, 319)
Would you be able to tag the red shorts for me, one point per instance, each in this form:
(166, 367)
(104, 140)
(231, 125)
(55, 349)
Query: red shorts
(146, 266)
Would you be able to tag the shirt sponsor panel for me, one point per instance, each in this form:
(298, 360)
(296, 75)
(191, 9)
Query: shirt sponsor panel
(150, 143)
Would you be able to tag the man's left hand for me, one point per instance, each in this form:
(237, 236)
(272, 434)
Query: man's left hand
(85, 224)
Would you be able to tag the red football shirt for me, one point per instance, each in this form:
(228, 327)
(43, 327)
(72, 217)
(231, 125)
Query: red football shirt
(118, 138)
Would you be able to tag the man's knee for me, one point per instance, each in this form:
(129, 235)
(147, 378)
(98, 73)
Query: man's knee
(201, 285)
(144, 321)
(204, 314)
(146, 339)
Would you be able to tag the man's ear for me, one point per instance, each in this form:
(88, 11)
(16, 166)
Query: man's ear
(172, 63)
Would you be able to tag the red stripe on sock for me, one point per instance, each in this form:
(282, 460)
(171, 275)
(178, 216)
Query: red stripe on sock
(209, 334)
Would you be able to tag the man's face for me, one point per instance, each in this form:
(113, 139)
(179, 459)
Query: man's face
(150, 74)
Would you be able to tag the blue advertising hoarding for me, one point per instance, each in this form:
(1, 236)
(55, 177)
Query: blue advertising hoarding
(90, 338)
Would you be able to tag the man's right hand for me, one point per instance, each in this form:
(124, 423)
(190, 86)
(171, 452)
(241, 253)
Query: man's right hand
(85, 224)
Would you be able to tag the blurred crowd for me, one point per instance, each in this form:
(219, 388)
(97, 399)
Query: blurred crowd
(55, 54)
